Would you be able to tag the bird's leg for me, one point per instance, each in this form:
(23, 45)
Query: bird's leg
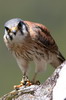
(25, 82)
(24, 79)
(34, 79)
(20, 85)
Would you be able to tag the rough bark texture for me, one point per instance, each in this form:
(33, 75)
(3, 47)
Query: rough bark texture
(43, 91)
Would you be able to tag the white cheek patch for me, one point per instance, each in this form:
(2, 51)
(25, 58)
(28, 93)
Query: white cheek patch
(6, 35)
(24, 30)
(6, 38)
(18, 37)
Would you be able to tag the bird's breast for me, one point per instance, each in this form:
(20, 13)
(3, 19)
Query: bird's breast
(29, 51)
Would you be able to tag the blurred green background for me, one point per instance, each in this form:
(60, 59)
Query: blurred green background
(51, 13)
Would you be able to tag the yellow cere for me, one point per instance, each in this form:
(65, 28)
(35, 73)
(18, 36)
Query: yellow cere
(14, 28)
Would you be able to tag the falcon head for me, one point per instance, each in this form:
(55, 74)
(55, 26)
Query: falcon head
(15, 30)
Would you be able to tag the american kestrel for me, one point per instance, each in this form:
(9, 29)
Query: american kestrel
(29, 41)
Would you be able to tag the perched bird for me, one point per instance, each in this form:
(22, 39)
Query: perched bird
(29, 41)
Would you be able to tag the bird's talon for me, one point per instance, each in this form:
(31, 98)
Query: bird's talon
(17, 86)
(26, 83)
(36, 82)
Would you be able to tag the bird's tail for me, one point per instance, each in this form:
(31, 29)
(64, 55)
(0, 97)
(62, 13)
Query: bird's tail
(58, 59)
(61, 58)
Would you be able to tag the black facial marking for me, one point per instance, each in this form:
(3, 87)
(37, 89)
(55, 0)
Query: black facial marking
(14, 33)
(8, 30)
(20, 27)
(11, 38)
(21, 32)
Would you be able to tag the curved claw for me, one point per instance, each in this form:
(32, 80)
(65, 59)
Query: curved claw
(25, 82)
(17, 86)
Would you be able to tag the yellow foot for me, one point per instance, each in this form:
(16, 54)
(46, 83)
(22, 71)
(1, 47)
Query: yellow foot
(26, 83)
(36, 82)
(17, 86)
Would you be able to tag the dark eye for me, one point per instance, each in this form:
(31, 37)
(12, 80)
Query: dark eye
(8, 30)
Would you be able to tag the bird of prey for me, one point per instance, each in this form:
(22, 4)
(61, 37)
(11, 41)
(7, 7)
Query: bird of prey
(30, 41)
